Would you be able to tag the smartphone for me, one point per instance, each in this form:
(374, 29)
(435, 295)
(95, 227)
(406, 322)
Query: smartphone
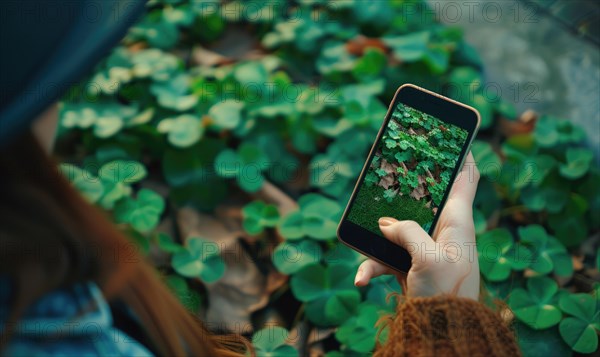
(409, 172)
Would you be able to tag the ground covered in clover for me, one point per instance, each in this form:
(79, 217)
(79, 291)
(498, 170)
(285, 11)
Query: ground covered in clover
(410, 171)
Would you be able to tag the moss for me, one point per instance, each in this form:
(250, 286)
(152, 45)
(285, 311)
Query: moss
(366, 211)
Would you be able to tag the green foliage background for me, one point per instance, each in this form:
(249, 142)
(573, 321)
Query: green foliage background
(206, 104)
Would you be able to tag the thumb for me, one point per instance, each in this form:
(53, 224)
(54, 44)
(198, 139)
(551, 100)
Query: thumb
(407, 234)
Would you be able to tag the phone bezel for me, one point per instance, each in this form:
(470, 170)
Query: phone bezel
(446, 110)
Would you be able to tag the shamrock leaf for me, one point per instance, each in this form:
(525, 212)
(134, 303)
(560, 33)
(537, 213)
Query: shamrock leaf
(499, 254)
(359, 333)
(548, 254)
(409, 48)
(105, 118)
(578, 163)
(258, 215)
(317, 218)
(335, 58)
(370, 65)
(403, 156)
(174, 93)
(142, 213)
(271, 342)
(550, 132)
(389, 195)
(329, 292)
(250, 74)
(122, 171)
(116, 177)
(86, 183)
(226, 114)
(183, 131)
(289, 257)
(536, 306)
(245, 165)
(200, 259)
(580, 331)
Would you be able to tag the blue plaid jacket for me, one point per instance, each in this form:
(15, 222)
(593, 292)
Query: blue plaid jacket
(68, 322)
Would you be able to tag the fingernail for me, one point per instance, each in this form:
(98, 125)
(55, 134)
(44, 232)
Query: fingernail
(359, 275)
(387, 221)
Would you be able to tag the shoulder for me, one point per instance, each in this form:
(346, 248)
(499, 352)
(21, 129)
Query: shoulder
(75, 321)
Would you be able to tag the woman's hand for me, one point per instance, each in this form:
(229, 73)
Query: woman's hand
(446, 263)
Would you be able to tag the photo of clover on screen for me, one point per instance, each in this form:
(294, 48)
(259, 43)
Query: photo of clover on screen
(410, 170)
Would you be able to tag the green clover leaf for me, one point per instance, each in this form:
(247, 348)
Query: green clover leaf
(550, 132)
(359, 333)
(271, 342)
(409, 48)
(142, 213)
(200, 259)
(499, 254)
(174, 93)
(370, 65)
(578, 163)
(226, 114)
(183, 131)
(290, 257)
(536, 306)
(317, 218)
(245, 165)
(548, 254)
(329, 292)
(580, 331)
(89, 185)
(117, 177)
(122, 171)
(258, 215)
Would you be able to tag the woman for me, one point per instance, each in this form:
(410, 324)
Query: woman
(70, 285)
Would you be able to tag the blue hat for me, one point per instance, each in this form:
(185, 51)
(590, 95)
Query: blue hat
(47, 46)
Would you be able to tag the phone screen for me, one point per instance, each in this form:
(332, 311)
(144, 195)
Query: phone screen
(410, 170)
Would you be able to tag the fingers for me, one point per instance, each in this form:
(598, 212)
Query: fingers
(407, 234)
(368, 270)
(465, 185)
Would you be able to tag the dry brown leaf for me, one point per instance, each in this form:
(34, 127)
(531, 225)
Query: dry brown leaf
(243, 289)
(273, 195)
(387, 181)
(577, 262)
(359, 44)
(206, 57)
(418, 193)
(523, 125)
(304, 337)
(387, 167)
